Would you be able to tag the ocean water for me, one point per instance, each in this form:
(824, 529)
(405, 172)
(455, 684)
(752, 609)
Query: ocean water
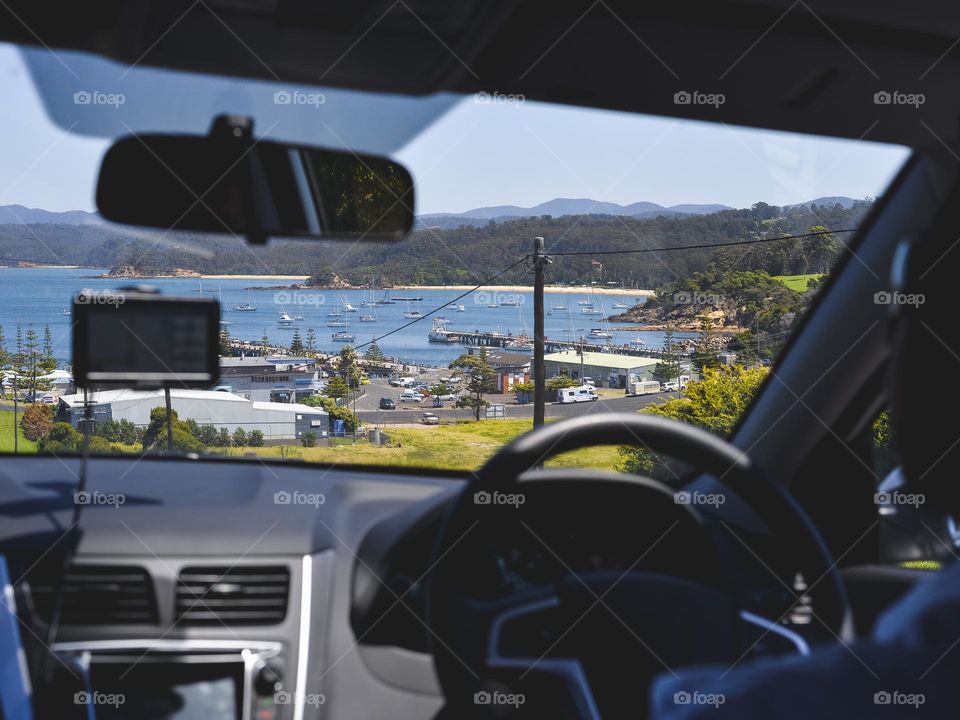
(39, 296)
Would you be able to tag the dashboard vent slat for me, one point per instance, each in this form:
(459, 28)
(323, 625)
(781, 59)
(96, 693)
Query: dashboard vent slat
(232, 595)
(99, 595)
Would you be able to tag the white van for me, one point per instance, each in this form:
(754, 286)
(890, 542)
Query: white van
(584, 393)
(644, 387)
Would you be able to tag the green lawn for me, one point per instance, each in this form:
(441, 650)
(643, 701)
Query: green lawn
(462, 446)
(797, 282)
(6, 435)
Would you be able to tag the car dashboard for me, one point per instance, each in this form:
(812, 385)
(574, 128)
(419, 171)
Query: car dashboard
(228, 585)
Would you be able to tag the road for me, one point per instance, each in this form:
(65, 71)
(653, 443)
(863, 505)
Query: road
(370, 414)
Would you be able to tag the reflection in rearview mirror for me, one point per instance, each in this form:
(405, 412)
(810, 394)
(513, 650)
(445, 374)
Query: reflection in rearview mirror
(228, 182)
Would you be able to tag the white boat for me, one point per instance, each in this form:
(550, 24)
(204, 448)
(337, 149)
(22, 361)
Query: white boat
(585, 303)
(298, 316)
(590, 311)
(521, 344)
(349, 308)
(336, 323)
(415, 313)
(510, 303)
(342, 336)
(620, 306)
(245, 307)
(285, 320)
(461, 308)
(559, 307)
(600, 333)
(334, 313)
(440, 333)
(367, 318)
(494, 305)
(639, 343)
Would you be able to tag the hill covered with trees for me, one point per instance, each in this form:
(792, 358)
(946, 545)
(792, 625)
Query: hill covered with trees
(464, 254)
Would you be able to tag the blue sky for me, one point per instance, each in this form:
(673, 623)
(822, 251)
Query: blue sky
(506, 153)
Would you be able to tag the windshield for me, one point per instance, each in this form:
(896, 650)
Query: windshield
(683, 255)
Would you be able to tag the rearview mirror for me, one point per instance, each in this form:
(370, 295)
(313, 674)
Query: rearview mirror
(229, 182)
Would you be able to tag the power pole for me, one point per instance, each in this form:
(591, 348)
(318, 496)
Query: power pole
(540, 261)
(166, 402)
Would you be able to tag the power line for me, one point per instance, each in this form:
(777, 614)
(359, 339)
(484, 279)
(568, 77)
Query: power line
(601, 252)
(708, 246)
(446, 304)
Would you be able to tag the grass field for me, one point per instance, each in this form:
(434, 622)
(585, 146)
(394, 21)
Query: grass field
(463, 446)
(797, 282)
(6, 435)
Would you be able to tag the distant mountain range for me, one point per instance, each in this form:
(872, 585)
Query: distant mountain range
(559, 207)
(20, 215)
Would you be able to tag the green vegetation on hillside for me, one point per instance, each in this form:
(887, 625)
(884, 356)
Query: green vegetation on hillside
(800, 283)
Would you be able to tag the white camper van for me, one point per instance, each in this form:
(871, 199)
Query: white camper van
(584, 393)
(644, 387)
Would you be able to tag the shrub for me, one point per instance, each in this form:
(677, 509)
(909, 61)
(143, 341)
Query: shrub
(309, 439)
(255, 438)
(37, 421)
(240, 437)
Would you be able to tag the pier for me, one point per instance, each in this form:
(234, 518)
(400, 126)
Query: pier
(495, 339)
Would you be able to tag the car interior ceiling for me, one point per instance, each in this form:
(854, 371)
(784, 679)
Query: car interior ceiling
(359, 572)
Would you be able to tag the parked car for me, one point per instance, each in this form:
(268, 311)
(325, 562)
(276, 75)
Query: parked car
(47, 400)
(447, 396)
(452, 380)
(387, 404)
(672, 386)
(429, 418)
(410, 396)
(437, 402)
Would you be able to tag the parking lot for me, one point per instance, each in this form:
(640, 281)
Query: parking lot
(370, 413)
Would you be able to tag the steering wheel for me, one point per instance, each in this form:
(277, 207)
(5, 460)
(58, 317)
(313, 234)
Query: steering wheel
(584, 639)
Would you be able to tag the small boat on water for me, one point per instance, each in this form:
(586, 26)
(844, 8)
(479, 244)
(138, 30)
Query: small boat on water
(440, 333)
(590, 311)
(600, 333)
(285, 320)
(336, 323)
(408, 299)
(245, 307)
(413, 314)
(367, 318)
(494, 305)
(559, 307)
(510, 303)
(585, 303)
(342, 336)
(620, 306)
(461, 308)
(298, 317)
(349, 308)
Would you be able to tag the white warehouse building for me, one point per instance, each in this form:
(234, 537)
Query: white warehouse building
(277, 421)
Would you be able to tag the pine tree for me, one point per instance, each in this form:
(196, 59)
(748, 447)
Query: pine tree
(669, 366)
(5, 360)
(49, 361)
(311, 343)
(705, 351)
(374, 353)
(296, 345)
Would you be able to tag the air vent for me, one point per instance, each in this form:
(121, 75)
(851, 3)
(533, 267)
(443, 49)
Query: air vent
(107, 594)
(232, 595)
